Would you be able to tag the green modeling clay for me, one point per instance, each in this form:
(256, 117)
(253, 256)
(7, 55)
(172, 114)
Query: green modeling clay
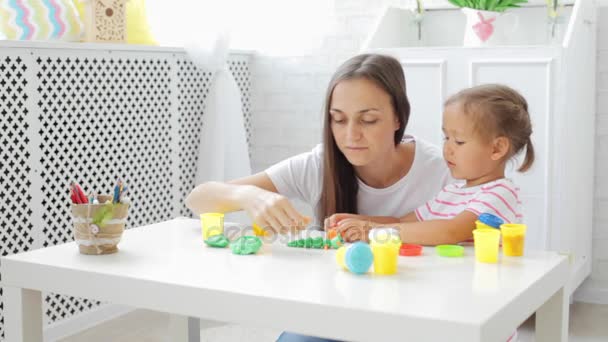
(219, 241)
(246, 245)
(316, 243)
(337, 242)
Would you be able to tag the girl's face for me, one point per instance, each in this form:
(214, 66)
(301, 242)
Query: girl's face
(468, 155)
(363, 121)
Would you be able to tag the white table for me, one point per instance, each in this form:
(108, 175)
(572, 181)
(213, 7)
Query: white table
(166, 267)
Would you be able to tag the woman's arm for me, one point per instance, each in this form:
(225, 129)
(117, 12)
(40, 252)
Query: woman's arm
(333, 220)
(432, 232)
(227, 197)
(255, 194)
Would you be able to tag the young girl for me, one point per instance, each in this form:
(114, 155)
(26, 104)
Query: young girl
(484, 128)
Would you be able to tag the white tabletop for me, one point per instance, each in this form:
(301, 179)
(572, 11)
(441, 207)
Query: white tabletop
(167, 267)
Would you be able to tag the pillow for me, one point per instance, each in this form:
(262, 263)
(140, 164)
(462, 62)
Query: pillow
(40, 20)
(138, 30)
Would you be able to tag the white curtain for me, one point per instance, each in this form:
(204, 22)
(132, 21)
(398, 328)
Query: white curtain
(206, 28)
(203, 29)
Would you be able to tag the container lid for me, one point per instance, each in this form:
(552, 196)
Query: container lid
(408, 249)
(490, 220)
(384, 235)
(449, 250)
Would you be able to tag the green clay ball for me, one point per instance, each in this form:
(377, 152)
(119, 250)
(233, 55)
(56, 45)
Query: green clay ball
(246, 245)
(218, 241)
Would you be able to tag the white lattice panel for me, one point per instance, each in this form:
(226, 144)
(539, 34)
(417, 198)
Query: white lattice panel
(93, 116)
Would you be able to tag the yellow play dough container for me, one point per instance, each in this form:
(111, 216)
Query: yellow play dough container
(212, 224)
(385, 243)
(258, 231)
(513, 237)
(486, 245)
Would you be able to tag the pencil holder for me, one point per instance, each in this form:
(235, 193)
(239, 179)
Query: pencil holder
(98, 227)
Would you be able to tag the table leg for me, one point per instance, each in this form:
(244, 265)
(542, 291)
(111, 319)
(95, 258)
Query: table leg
(552, 318)
(22, 315)
(183, 328)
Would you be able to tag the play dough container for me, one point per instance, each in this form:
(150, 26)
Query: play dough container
(385, 244)
(259, 231)
(408, 249)
(385, 258)
(212, 224)
(487, 220)
(486, 245)
(449, 251)
(513, 236)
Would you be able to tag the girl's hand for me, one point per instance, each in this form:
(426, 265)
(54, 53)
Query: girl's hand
(333, 220)
(353, 229)
(272, 211)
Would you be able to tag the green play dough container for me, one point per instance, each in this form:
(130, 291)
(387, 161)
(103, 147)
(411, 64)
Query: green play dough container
(450, 251)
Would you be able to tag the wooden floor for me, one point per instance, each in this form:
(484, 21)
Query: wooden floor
(588, 322)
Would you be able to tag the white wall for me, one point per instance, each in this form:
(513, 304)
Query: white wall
(288, 94)
(596, 288)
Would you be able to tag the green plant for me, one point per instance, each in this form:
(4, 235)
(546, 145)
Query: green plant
(488, 5)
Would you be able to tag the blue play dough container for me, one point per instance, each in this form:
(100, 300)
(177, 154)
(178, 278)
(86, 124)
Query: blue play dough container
(490, 220)
(359, 257)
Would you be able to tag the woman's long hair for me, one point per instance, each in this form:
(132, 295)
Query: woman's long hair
(340, 187)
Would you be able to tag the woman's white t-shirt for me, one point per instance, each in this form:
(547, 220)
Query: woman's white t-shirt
(301, 177)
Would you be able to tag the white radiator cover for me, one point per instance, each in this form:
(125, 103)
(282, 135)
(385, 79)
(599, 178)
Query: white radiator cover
(92, 113)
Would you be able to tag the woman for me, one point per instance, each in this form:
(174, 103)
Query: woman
(364, 166)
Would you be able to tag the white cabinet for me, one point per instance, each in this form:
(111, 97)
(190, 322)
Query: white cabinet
(558, 80)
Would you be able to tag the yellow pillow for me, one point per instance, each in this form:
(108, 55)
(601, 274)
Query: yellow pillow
(138, 29)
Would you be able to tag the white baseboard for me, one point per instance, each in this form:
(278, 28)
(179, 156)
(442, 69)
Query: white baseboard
(590, 294)
(83, 321)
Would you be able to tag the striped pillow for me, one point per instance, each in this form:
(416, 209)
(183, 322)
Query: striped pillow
(40, 20)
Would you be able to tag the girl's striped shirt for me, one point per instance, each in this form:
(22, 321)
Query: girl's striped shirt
(499, 197)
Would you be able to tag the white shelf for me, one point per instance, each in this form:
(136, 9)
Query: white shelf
(444, 4)
(444, 26)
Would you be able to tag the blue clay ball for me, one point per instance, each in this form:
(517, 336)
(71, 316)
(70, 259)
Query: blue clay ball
(359, 257)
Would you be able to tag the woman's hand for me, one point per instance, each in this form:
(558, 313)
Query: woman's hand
(272, 211)
(353, 229)
(333, 220)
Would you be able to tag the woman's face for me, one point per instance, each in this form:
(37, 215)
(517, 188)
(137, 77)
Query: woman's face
(363, 121)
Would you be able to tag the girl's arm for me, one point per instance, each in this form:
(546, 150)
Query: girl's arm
(333, 220)
(411, 217)
(438, 232)
(432, 232)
